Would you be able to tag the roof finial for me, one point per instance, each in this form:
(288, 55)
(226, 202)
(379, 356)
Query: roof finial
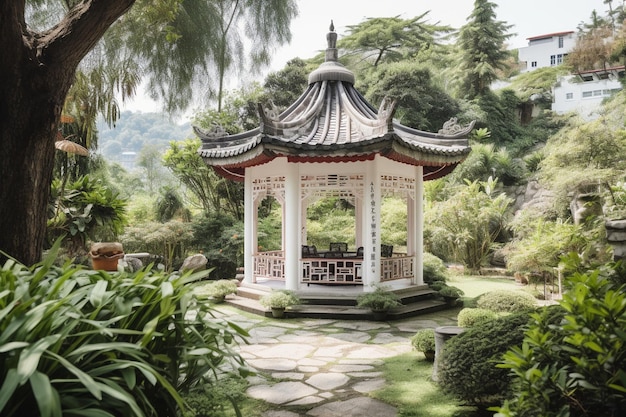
(331, 37)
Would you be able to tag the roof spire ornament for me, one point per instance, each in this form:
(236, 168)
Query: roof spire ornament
(331, 69)
(331, 51)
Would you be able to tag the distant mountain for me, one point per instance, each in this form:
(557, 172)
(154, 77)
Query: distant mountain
(133, 131)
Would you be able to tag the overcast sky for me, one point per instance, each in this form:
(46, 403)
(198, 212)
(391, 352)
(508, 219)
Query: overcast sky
(528, 17)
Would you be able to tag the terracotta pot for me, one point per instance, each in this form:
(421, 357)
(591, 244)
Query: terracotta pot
(104, 255)
(105, 263)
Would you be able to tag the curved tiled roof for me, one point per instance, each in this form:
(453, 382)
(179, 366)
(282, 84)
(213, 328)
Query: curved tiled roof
(332, 121)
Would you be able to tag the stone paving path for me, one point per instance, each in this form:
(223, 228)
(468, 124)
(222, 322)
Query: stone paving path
(324, 368)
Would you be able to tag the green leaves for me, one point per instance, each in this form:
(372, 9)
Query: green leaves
(46, 396)
(92, 344)
(84, 210)
(465, 226)
(574, 365)
(389, 39)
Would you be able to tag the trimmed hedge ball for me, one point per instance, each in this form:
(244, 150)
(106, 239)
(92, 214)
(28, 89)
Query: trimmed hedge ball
(504, 301)
(469, 317)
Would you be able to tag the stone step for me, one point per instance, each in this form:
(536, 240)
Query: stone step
(342, 312)
(252, 291)
(332, 297)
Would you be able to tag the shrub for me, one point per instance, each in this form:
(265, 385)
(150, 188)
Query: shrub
(437, 285)
(434, 269)
(279, 299)
(469, 317)
(424, 340)
(219, 289)
(214, 401)
(467, 367)
(575, 366)
(220, 238)
(82, 342)
(81, 211)
(449, 291)
(168, 240)
(504, 301)
(465, 226)
(378, 300)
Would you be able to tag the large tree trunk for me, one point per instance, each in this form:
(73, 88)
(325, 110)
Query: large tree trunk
(36, 71)
(26, 161)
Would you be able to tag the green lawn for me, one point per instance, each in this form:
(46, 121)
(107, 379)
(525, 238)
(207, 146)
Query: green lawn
(473, 285)
(411, 389)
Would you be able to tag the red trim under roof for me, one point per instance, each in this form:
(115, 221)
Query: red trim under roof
(330, 159)
(235, 174)
(549, 35)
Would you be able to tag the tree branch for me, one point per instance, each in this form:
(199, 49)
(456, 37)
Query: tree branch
(78, 32)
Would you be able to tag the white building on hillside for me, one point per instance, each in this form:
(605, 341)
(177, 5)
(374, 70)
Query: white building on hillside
(584, 93)
(546, 50)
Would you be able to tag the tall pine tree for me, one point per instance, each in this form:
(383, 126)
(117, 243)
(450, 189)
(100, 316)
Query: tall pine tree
(481, 43)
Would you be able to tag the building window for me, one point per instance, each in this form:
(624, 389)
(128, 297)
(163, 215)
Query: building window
(559, 59)
(569, 96)
(560, 41)
(533, 64)
(587, 94)
(552, 60)
(597, 93)
(587, 77)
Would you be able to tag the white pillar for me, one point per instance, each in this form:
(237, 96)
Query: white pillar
(371, 226)
(303, 231)
(358, 220)
(418, 264)
(249, 230)
(411, 219)
(291, 227)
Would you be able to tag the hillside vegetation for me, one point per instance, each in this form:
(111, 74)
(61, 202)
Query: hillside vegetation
(509, 204)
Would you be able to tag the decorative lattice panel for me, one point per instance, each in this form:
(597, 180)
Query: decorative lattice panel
(332, 271)
(274, 186)
(400, 267)
(397, 186)
(347, 187)
(269, 265)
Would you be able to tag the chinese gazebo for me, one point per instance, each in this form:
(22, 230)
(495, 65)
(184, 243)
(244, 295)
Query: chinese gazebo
(332, 143)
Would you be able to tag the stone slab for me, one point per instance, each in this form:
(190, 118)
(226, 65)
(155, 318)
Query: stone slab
(328, 380)
(273, 364)
(370, 385)
(355, 407)
(281, 393)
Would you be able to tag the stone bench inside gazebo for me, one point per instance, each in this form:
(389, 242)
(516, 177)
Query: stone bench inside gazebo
(332, 143)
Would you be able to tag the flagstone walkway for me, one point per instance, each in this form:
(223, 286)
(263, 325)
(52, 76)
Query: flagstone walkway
(325, 368)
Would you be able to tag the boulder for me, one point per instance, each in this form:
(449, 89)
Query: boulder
(194, 263)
